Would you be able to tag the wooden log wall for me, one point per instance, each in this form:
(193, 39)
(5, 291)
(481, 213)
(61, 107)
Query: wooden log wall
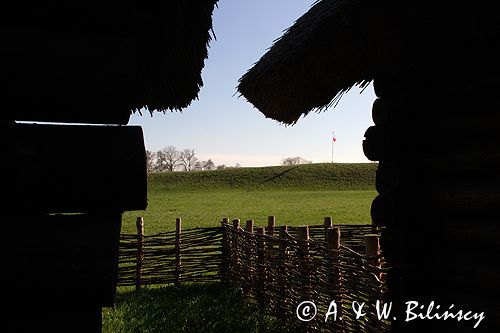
(439, 195)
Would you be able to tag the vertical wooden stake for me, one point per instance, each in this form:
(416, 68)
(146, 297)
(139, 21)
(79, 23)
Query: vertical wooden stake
(282, 274)
(140, 251)
(235, 264)
(236, 224)
(333, 238)
(178, 232)
(304, 259)
(333, 274)
(247, 279)
(271, 224)
(372, 248)
(226, 251)
(327, 222)
(305, 270)
(249, 226)
(261, 268)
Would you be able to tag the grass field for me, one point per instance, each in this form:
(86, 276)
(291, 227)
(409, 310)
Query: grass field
(208, 308)
(295, 195)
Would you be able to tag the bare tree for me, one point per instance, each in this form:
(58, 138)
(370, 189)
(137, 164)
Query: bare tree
(168, 159)
(209, 165)
(198, 166)
(294, 161)
(150, 161)
(188, 159)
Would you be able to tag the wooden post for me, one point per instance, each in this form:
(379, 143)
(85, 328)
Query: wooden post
(261, 269)
(249, 248)
(333, 238)
(372, 248)
(178, 232)
(271, 224)
(270, 243)
(334, 276)
(282, 274)
(226, 251)
(305, 270)
(305, 264)
(140, 251)
(327, 222)
(249, 226)
(235, 264)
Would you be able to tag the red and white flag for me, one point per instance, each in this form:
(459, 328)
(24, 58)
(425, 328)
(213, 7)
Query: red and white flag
(334, 138)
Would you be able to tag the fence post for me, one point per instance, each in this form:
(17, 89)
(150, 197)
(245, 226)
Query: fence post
(305, 261)
(282, 273)
(178, 232)
(271, 224)
(327, 222)
(334, 276)
(249, 248)
(261, 268)
(235, 270)
(372, 249)
(226, 251)
(305, 270)
(249, 226)
(140, 251)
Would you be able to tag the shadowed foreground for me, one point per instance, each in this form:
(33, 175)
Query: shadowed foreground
(188, 308)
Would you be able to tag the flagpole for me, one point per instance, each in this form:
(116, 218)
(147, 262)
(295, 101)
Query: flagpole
(333, 142)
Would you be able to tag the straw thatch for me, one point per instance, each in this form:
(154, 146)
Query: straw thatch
(96, 62)
(339, 44)
(320, 57)
(172, 53)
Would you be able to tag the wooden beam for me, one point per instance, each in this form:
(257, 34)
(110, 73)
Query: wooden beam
(75, 169)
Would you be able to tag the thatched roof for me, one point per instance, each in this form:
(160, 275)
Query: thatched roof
(97, 61)
(173, 53)
(315, 61)
(339, 44)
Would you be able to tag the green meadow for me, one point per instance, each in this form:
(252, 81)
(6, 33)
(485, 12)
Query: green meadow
(296, 195)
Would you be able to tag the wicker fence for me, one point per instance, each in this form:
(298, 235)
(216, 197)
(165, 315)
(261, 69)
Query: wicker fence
(278, 267)
(192, 255)
(282, 267)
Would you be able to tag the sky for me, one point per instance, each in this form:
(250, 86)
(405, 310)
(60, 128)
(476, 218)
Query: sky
(223, 126)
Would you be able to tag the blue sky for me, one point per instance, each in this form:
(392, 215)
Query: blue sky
(226, 128)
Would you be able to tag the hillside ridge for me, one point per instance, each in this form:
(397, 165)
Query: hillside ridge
(319, 176)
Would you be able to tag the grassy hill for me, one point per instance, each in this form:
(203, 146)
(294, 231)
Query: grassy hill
(296, 195)
(324, 176)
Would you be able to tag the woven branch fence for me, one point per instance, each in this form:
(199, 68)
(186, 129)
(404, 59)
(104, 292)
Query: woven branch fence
(192, 255)
(282, 267)
(278, 267)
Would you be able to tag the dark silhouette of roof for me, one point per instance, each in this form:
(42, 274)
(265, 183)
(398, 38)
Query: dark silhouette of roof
(339, 44)
(97, 61)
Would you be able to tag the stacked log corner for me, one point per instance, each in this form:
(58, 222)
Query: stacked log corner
(438, 196)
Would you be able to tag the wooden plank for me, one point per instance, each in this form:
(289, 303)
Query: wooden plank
(75, 169)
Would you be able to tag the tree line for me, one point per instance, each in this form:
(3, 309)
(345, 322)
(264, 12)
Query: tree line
(171, 159)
